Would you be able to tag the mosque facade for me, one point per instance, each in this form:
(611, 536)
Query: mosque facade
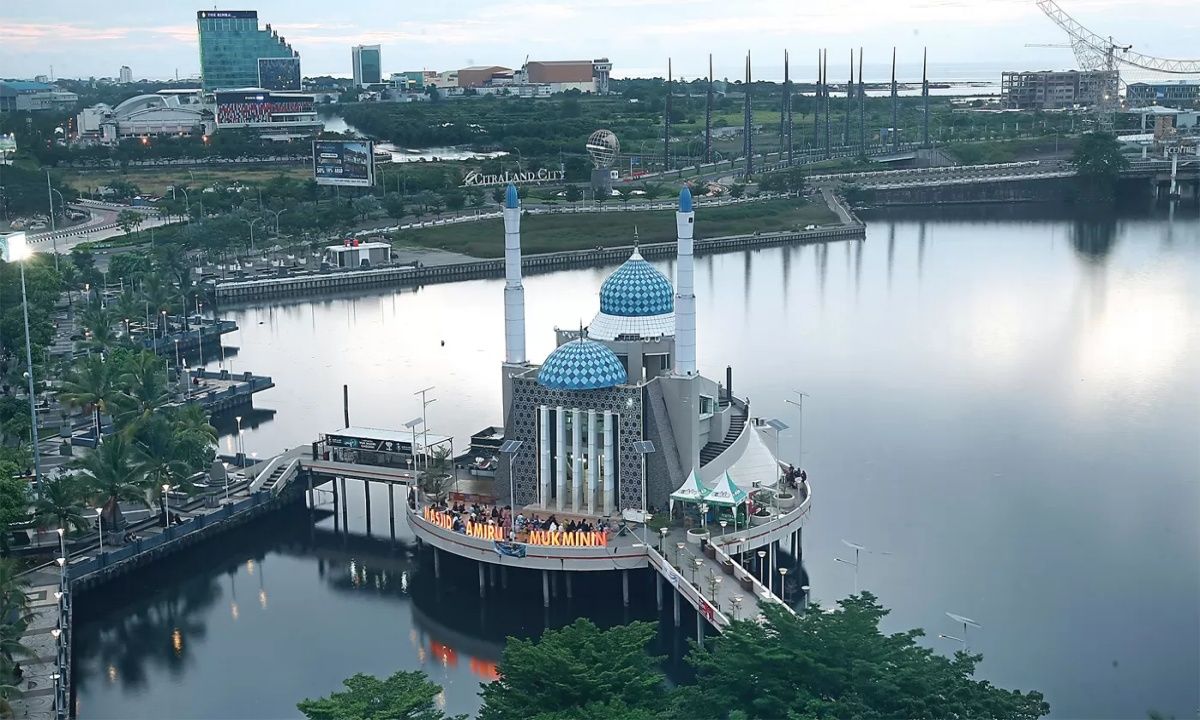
(584, 415)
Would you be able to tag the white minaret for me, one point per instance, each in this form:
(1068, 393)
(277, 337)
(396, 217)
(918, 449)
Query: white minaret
(514, 291)
(685, 289)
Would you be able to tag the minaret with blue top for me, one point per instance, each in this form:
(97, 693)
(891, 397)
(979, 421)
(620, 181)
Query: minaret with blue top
(685, 288)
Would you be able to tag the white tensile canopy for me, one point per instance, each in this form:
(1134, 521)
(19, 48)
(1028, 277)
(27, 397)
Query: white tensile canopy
(726, 492)
(757, 467)
(692, 490)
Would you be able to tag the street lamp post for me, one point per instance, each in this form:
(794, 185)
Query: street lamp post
(240, 450)
(799, 403)
(277, 214)
(100, 526)
(783, 584)
(425, 421)
(53, 225)
(644, 448)
(762, 554)
(166, 506)
(15, 248)
(511, 448)
(251, 224)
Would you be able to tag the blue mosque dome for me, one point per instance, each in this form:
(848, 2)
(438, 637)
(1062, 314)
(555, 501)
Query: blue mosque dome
(581, 364)
(637, 289)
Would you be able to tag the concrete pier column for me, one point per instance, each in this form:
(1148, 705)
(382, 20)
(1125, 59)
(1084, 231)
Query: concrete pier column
(570, 590)
(544, 456)
(312, 500)
(625, 587)
(491, 575)
(545, 588)
(675, 596)
(367, 503)
(593, 462)
(577, 460)
(482, 592)
(334, 492)
(658, 581)
(560, 457)
(609, 481)
(437, 563)
(345, 506)
(699, 629)
(503, 577)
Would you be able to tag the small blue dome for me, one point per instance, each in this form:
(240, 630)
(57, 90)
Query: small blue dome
(637, 289)
(581, 364)
(685, 200)
(510, 197)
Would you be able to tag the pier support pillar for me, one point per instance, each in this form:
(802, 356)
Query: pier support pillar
(675, 596)
(482, 593)
(367, 504)
(545, 588)
(800, 544)
(312, 500)
(503, 577)
(658, 581)
(699, 629)
(491, 575)
(334, 492)
(437, 563)
(345, 503)
(625, 587)
(392, 510)
(570, 590)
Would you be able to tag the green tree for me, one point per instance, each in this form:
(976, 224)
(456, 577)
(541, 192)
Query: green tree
(143, 391)
(403, 696)
(574, 194)
(112, 474)
(837, 665)
(61, 505)
(579, 671)
(129, 220)
(737, 190)
(435, 479)
(159, 457)
(14, 619)
(194, 436)
(14, 500)
(89, 385)
(1098, 163)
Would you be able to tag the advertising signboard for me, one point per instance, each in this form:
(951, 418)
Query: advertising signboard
(369, 444)
(344, 162)
(279, 73)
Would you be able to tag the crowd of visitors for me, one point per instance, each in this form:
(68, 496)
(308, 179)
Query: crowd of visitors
(497, 523)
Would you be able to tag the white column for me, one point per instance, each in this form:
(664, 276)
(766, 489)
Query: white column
(593, 462)
(577, 460)
(544, 448)
(609, 491)
(560, 455)
(514, 291)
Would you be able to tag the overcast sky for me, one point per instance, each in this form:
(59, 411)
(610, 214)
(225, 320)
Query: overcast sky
(81, 38)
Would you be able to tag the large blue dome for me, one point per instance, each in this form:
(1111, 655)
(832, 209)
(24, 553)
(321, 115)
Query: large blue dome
(637, 289)
(581, 364)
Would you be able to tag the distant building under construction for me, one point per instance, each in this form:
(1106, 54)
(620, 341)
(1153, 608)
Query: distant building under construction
(1054, 90)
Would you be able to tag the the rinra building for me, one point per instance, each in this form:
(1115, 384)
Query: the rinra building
(628, 376)
(236, 53)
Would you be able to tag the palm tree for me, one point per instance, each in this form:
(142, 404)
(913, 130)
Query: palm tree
(90, 385)
(126, 308)
(14, 619)
(97, 321)
(192, 421)
(144, 391)
(159, 456)
(113, 475)
(435, 481)
(60, 504)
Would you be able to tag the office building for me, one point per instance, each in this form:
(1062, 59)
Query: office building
(271, 115)
(1054, 90)
(125, 76)
(34, 96)
(235, 53)
(368, 65)
(590, 76)
(1178, 93)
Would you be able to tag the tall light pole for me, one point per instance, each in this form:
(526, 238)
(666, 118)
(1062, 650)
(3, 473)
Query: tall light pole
(277, 214)
(965, 622)
(53, 225)
(15, 248)
(251, 224)
(511, 448)
(799, 403)
(425, 421)
(858, 550)
(412, 425)
(100, 526)
(240, 447)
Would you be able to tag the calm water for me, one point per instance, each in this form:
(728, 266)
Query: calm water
(1007, 407)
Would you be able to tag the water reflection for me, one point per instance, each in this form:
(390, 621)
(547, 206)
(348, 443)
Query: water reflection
(1094, 239)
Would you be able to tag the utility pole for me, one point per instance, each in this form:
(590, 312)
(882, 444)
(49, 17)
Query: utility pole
(667, 122)
(925, 97)
(816, 143)
(849, 101)
(708, 108)
(862, 107)
(748, 124)
(825, 74)
(787, 88)
(895, 107)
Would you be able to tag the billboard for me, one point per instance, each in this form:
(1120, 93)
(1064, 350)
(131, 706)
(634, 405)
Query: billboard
(252, 107)
(344, 162)
(279, 73)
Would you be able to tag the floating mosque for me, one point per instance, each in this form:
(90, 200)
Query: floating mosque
(618, 418)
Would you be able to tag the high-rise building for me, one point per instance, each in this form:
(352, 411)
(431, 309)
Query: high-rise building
(126, 75)
(367, 61)
(235, 53)
(1049, 90)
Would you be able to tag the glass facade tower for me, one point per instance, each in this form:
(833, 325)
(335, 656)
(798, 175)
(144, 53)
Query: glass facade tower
(231, 45)
(367, 64)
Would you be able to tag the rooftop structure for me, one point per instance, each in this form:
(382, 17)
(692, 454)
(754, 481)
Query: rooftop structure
(165, 113)
(1053, 90)
(232, 46)
(479, 75)
(34, 96)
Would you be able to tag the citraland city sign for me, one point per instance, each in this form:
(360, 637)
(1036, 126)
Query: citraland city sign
(475, 178)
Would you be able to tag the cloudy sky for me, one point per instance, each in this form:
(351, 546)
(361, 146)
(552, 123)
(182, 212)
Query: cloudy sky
(965, 37)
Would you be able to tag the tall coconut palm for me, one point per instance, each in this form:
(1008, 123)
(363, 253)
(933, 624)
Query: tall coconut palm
(144, 391)
(126, 308)
(111, 472)
(90, 385)
(159, 456)
(61, 504)
(14, 619)
(193, 421)
(98, 322)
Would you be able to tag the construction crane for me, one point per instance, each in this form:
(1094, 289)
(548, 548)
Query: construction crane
(1095, 52)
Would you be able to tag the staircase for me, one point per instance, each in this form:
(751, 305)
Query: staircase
(737, 421)
(274, 477)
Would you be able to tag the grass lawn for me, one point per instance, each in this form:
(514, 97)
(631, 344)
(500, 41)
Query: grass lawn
(156, 180)
(553, 233)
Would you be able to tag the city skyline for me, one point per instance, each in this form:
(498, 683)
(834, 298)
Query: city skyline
(156, 41)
